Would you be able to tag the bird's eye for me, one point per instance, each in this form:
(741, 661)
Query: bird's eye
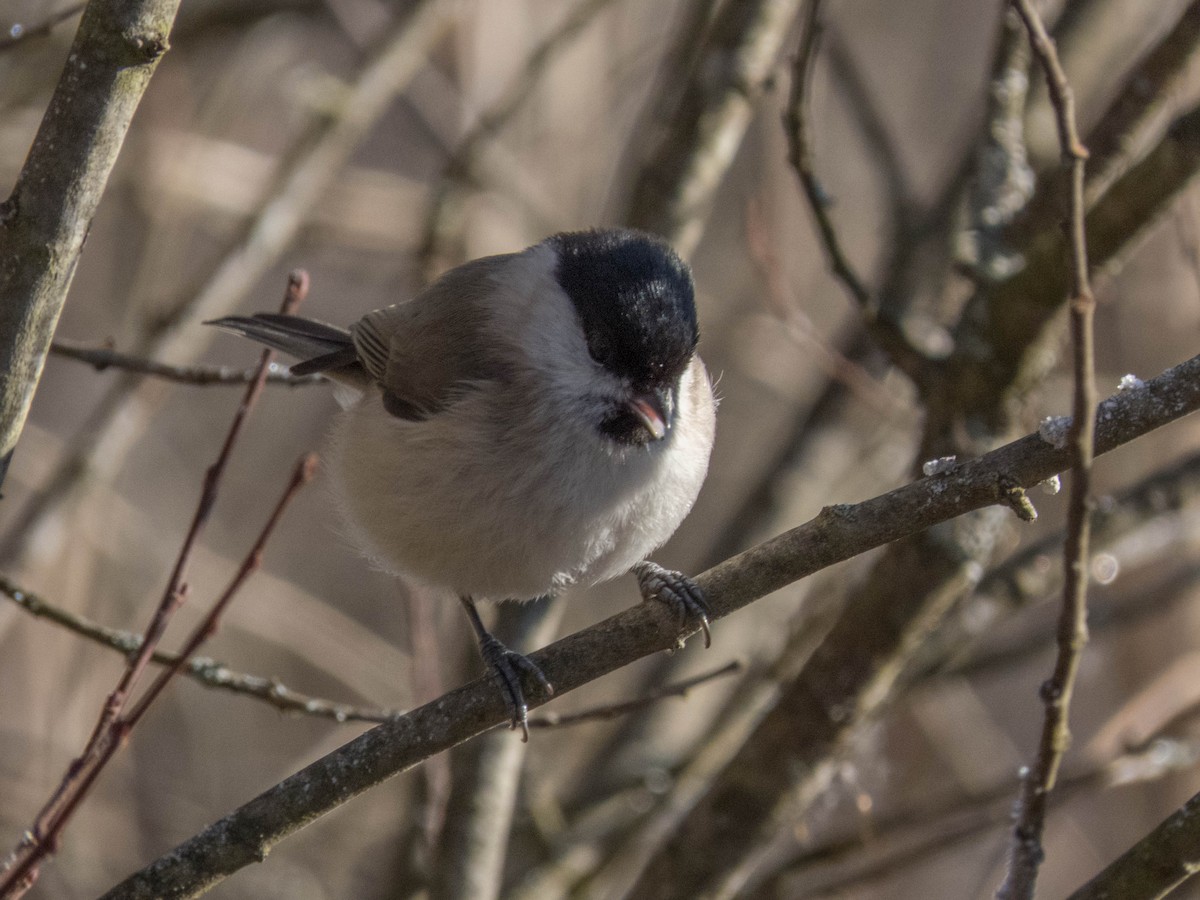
(600, 346)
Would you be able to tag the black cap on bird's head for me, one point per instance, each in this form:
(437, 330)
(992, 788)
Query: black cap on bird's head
(636, 304)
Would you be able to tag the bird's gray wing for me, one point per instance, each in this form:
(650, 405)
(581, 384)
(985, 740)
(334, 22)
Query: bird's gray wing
(426, 351)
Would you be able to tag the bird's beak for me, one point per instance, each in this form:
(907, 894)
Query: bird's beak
(650, 410)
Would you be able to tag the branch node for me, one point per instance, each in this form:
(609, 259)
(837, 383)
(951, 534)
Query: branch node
(149, 47)
(1018, 501)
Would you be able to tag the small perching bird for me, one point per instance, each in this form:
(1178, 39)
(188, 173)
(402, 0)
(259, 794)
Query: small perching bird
(528, 422)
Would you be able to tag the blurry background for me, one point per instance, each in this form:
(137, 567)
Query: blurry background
(374, 144)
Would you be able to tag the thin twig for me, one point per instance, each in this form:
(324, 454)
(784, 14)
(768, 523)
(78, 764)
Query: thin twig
(18, 33)
(800, 155)
(247, 834)
(214, 674)
(208, 672)
(302, 474)
(101, 358)
(1027, 851)
(116, 720)
(616, 710)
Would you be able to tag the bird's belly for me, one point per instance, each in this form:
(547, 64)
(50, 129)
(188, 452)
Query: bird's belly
(485, 521)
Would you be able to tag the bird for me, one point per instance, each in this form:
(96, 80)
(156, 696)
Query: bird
(528, 422)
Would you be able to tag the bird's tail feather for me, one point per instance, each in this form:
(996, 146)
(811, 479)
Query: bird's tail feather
(298, 337)
(321, 348)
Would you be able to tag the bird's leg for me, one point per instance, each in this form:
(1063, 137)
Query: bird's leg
(508, 666)
(677, 591)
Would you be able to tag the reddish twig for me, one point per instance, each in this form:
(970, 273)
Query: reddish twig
(301, 475)
(113, 727)
(1027, 851)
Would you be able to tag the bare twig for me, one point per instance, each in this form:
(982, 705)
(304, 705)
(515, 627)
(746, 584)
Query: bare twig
(208, 672)
(117, 718)
(301, 475)
(615, 710)
(102, 358)
(45, 220)
(1027, 851)
(215, 674)
(800, 155)
(838, 533)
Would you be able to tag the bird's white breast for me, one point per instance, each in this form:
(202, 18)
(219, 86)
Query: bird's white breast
(506, 495)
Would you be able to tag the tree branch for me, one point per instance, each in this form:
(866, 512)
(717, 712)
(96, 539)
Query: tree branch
(1154, 866)
(1027, 850)
(1010, 318)
(838, 533)
(45, 220)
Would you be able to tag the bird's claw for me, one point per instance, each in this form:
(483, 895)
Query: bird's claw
(676, 590)
(508, 666)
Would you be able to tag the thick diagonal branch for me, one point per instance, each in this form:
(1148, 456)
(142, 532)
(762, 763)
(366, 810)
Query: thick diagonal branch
(838, 533)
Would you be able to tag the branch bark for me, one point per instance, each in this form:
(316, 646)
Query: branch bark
(45, 221)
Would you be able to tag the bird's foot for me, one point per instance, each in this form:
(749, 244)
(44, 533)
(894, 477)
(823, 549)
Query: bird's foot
(677, 591)
(508, 666)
